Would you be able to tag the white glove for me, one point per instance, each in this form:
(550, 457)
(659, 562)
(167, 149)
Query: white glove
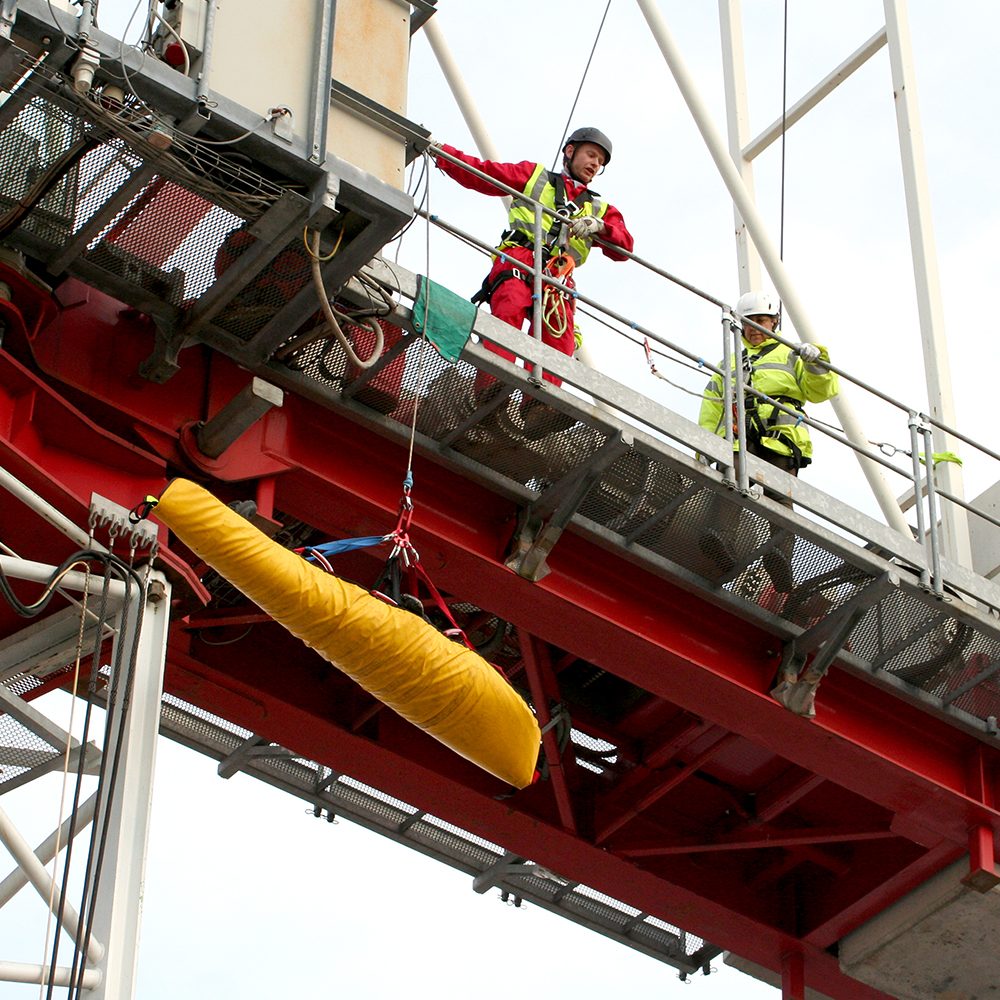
(808, 353)
(586, 228)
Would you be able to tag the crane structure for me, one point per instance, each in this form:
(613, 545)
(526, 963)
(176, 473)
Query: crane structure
(160, 319)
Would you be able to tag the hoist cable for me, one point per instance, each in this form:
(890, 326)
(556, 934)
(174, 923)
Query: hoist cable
(66, 762)
(579, 89)
(118, 736)
(103, 613)
(423, 330)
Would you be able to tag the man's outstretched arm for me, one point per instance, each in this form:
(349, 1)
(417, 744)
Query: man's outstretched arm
(514, 175)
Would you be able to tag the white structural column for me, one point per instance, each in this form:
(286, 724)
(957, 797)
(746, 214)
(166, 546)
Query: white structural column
(462, 94)
(119, 899)
(955, 527)
(735, 81)
(768, 252)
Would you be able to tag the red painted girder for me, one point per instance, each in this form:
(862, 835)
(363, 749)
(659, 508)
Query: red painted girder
(96, 345)
(466, 805)
(562, 765)
(630, 623)
(64, 457)
(660, 788)
(833, 917)
(743, 840)
(639, 627)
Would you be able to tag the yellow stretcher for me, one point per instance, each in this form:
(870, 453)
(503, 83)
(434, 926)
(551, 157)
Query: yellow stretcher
(447, 690)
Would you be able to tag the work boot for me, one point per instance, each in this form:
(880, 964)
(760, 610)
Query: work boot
(540, 419)
(719, 549)
(779, 568)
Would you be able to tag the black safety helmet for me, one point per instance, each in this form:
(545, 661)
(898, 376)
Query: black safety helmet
(594, 135)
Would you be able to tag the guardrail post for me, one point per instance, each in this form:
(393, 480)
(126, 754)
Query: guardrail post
(740, 381)
(727, 395)
(536, 295)
(918, 499)
(932, 513)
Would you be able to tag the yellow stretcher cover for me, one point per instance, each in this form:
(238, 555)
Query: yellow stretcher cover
(447, 690)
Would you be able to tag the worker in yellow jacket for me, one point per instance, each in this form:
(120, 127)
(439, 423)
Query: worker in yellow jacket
(793, 377)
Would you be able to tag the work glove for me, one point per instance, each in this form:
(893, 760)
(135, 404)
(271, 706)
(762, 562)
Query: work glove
(586, 228)
(808, 353)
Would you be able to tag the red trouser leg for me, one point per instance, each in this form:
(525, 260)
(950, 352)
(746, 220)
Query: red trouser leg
(511, 302)
(561, 316)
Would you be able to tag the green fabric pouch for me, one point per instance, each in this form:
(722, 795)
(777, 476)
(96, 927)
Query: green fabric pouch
(449, 317)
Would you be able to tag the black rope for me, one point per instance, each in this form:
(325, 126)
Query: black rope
(113, 568)
(579, 90)
(102, 618)
(106, 789)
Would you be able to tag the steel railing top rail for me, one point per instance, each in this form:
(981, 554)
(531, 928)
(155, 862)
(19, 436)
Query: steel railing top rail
(923, 484)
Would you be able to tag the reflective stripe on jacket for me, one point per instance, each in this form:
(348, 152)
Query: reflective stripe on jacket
(780, 373)
(540, 187)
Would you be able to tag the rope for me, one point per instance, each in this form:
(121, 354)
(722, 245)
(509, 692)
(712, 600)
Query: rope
(423, 333)
(579, 89)
(317, 274)
(95, 860)
(66, 757)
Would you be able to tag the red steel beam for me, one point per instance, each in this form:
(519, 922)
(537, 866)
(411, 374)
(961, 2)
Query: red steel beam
(538, 667)
(744, 840)
(615, 615)
(410, 780)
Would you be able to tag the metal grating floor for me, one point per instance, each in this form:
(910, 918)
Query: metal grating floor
(654, 504)
(488, 864)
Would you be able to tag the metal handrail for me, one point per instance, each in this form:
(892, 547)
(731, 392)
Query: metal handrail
(922, 480)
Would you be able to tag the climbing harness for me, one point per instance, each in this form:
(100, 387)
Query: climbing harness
(399, 582)
(759, 426)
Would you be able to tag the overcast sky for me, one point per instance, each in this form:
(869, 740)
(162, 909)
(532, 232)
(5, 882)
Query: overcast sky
(248, 895)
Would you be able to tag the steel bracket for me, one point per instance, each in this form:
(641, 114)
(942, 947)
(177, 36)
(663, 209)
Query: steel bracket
(797, 683)
(254, 749)
(542, 522)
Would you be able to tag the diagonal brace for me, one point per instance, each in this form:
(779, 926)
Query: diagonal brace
(255, 748)
(796, 688)
(543, 522)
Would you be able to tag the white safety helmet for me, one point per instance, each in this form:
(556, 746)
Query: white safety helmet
(756, 304)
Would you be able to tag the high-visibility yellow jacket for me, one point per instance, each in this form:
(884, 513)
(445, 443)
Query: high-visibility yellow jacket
(779, 372)
(540, 186)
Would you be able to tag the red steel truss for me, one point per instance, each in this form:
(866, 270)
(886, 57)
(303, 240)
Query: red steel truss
(716, 809)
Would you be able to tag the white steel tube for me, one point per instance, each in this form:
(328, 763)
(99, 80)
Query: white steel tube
(937, 369)
(34, 572)
(46, 511)
(42, 881)
(462, 94)
(768, 252)
(46, 850)
(738, 117)
(21, 972)
(823, 89)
